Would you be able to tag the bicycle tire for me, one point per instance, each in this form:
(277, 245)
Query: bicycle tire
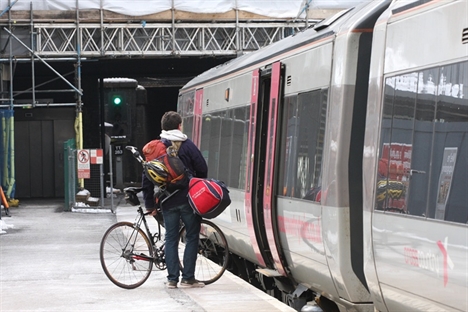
(213, 252)
(126, 267)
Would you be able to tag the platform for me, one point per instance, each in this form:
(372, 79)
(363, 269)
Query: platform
(49, 261)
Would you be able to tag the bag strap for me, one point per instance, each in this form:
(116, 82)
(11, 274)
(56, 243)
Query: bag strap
(168, 195)
(173, 150)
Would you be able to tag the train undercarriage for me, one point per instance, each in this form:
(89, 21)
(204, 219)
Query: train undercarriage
(297, 296)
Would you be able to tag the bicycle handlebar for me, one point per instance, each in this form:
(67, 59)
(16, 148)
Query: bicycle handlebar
(135, 153)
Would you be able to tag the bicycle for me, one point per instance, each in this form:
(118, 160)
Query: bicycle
(128, 251)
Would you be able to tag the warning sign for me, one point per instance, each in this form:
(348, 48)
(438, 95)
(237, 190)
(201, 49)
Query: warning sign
(83, 158)
(96, 157)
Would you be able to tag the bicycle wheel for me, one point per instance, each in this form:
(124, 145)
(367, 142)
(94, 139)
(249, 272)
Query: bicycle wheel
(213, 252)
(126, 255)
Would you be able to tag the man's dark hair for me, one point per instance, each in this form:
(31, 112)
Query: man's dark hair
(171, 121)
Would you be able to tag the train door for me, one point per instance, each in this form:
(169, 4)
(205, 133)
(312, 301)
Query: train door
(261, 178)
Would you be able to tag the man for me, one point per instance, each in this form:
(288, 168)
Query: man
(177, 208)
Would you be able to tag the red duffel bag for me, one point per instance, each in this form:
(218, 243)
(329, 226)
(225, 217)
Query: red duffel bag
(208, 197)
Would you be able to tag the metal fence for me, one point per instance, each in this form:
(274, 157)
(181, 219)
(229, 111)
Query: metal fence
(93, 194)
(70, 173)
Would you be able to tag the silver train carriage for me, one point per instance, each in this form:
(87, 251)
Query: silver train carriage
(287, 128)
(416, 140)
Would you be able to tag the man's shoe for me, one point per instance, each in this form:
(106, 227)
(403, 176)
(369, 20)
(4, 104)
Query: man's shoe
(171, 284)
(191, 284)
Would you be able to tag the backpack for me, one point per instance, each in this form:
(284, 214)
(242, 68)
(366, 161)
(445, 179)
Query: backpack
(153, 149)
(208, 197)
(163, 167)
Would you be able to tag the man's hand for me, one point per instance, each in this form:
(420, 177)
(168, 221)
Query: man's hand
(153, 211)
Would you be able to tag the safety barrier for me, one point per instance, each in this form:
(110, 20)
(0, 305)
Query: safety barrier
(82, 164)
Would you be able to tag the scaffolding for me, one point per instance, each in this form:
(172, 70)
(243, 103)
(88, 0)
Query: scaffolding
(29, 36)
(45, 37)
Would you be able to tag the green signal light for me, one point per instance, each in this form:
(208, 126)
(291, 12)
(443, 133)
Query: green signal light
(117, 100)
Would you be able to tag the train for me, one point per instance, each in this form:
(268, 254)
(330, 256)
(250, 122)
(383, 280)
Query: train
(344, 147)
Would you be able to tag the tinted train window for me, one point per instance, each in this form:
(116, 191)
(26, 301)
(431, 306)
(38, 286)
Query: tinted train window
(396, 136)
(211, 141)
(224, 145)
(205, 138)
(240, 129)
(423, 166)
(185, 109)
(301, 146)
(449, 174)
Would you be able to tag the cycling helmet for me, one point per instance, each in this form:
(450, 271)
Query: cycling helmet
(156, 172)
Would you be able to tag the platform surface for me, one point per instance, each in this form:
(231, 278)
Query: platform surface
(49, 261)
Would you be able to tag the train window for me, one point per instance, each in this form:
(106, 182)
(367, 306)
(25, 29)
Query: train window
(423, 146)
(224, 145)
(211, 136)
(205, 138)
(187, 124)
(185, 109)
(302, 145)
(240, 128)
(448, 197)
(288, 142)
(387, 197)
(418, 173)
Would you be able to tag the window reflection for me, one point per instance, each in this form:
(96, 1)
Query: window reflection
(423, 144)
(448, 198)
(224, 145)
(396, 143)
(302, 145)
(185, 107)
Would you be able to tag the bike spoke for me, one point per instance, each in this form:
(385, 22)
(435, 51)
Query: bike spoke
(213, 252)
(126, 255)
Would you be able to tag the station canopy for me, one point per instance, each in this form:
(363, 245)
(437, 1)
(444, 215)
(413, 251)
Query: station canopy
(268, 8)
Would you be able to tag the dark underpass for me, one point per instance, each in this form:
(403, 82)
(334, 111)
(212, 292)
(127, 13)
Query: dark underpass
(41, 130)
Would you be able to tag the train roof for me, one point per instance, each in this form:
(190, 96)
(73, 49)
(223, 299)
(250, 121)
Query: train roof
(326, 28)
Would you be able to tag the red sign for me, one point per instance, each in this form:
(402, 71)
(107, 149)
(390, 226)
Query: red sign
(96, 157)
(84, 171)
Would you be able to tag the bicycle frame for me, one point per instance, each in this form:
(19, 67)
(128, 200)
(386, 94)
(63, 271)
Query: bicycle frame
(153, 238)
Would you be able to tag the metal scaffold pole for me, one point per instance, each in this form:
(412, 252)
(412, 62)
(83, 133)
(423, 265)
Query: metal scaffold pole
(78, 84)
